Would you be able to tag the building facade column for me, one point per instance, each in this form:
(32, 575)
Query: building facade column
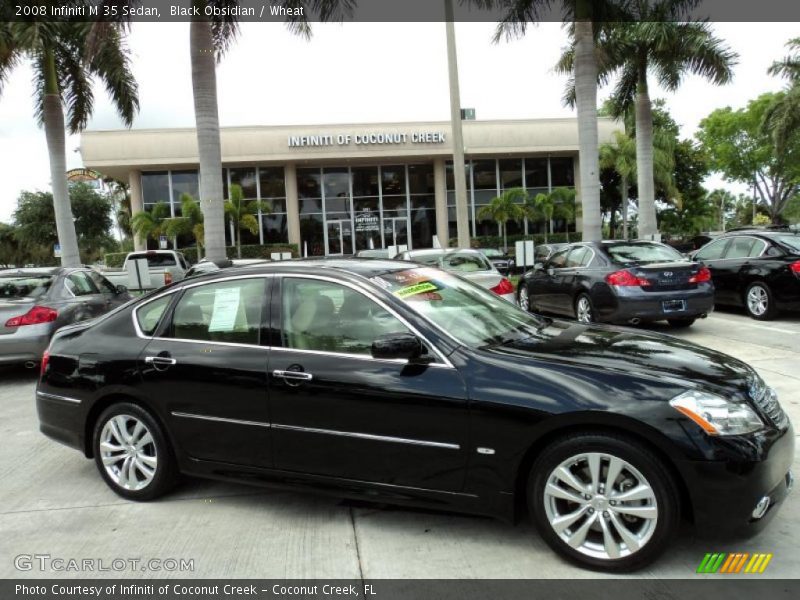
(292, 205)
(440, 191)
(137, 205)
(576, 169)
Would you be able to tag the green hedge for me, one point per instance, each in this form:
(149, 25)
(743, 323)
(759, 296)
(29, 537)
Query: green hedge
(115, 259)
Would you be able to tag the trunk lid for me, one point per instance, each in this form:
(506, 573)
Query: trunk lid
(666, 276)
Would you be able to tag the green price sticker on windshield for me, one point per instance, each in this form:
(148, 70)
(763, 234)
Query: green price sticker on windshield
(413, 290)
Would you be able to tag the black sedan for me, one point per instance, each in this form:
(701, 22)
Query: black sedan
(619, 282)
(392, 382)
(758, 269)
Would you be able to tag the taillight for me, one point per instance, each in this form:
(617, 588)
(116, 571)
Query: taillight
(625, 278)
(167, 278)
(503, 288)
(795, 267)
(35, 316)
(702, 276)
(45, 360)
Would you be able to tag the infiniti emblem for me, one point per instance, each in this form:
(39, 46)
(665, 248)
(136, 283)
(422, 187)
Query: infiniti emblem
(667, 273)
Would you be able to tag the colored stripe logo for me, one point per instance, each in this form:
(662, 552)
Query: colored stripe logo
(734, 562)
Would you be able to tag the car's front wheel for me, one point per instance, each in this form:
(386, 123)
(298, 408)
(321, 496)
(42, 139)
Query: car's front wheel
(604, 501)
(584, 311)
(132, 452)
(758, 301)
(523, 299)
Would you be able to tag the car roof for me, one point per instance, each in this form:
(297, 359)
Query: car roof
(767, 233)
(428, 251)
(362, 267)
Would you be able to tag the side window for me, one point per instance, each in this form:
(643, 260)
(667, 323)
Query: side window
(149, 315)
(329, 317)
(559, 259)
(577, 256)
(740, 247)
(79, 284)
(712, 251)
(225, 311)
(102, 284)
(757, 249)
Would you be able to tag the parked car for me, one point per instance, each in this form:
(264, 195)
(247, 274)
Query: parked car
(619, 282)
(542, 252)
(376, 253)
(393, 382)
(501, 260)
(470, 264)
(165, 266)
(208, 266)
(35, 302)
(756, 269)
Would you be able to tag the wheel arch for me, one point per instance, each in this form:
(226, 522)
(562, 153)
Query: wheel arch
(635, 430)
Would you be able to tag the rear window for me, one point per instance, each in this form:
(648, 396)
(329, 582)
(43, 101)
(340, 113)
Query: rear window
(25, 286)
(466, 262)
(643, 253)
(792, 241)
(155, 260)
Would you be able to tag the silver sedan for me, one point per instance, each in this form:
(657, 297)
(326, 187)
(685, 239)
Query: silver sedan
(34, 303)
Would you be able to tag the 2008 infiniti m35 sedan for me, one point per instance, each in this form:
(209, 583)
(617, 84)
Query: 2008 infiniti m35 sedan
(393, 382)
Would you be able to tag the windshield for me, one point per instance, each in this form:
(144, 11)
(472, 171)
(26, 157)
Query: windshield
(643, 253)
(470, 314)
(792, 241)
(25, 286)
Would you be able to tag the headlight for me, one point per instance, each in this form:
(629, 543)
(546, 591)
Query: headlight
(716, 415)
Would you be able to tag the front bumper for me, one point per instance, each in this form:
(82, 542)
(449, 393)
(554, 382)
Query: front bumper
(724, 493)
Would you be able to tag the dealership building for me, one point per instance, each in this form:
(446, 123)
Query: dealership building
(337, 189)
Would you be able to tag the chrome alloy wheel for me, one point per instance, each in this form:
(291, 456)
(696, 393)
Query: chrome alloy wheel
(128, 452)
(600, 505)
(584, 310)
(524, 300)
(757, 300)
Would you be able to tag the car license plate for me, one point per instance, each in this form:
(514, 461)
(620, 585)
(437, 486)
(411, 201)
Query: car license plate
(670, 306)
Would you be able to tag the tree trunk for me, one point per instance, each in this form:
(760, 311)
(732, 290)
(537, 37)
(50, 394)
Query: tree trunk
(624, 191)
(53, 113)
(644, 160)
(204, 89)
(505, 237)
(586, 102)
(238, 228)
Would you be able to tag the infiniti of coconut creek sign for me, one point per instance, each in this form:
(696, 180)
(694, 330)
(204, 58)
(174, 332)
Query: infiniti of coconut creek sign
(366, 139)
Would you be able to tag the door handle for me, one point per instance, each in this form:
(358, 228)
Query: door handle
(160, 363)
(295, 375)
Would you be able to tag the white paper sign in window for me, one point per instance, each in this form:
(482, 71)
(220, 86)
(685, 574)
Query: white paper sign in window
(226, 307)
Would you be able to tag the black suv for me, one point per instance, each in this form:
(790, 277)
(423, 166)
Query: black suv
(756, 269)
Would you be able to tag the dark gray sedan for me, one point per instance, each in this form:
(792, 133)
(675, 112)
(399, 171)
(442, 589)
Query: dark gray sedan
(34, 303)
(619, 282)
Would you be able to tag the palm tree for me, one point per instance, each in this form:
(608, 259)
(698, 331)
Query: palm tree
(564, 199)
(243, 214)
(66, 55)
(150, 224)
(208, 41)
(657, 42)
(782, 119)
(584, 17)
(506, 207)
(189, 223)
(558, 203)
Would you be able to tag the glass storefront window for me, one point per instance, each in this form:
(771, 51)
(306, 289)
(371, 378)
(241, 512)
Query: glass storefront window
(448, 175)
(427, 201)
(393, 180)
(275, 228)
(562, 172)
(271, 182)
(423, 227)
(484, 174)
(309, 183)
(397, 203)
(276, 205)
(310, 205)
(420, 179)
(184, 182)
(510, 173)
(311, 235)
(339, 203)
(246, 178)
(362, 204)
(336, 183)
(155, 187)
(365, 181)
(536, 172)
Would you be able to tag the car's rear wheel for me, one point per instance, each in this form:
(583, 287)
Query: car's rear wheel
(758, 301)
(132, 452)
(584, 311)
(523, 299)
(681, 323)
(604, 501)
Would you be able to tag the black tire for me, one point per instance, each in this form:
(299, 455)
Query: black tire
(522, 288)
(579, 312)
(681, 323)
(755, 311)
(650, 467)
(165, 470)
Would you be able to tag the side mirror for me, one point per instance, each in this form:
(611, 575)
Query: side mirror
(397, 345)
(121, 289)
(538, 267)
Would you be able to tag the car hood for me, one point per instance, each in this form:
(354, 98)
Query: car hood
(625, 350)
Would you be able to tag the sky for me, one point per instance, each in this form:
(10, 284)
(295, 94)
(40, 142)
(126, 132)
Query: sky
(360, 73)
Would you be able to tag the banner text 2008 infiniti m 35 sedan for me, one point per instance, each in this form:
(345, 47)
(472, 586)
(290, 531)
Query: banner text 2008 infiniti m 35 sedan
(398, 383)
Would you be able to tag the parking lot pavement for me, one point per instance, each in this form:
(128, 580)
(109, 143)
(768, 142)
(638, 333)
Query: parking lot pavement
(52, 501)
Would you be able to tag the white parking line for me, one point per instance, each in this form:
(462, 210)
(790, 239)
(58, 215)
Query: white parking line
(757, 325)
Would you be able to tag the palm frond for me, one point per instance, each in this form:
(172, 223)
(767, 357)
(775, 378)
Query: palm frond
(110, 60)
